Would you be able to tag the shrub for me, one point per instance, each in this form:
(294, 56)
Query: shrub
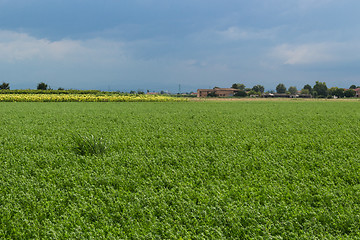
(5, 86)
(42, 86)
(241, 93)
(349, 93)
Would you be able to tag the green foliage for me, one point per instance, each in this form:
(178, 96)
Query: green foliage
(240, 93)
(196, 170)
(321, 89)
(335, 91)
(59, 91)
(309, 88)
(305, 91)
(349, 93)
(280, 88)
(258, 88)
(352, 87)
(252, 93)
(292, 90)
(5, 86)
(42, 86)
(88, 145)
(239, 86)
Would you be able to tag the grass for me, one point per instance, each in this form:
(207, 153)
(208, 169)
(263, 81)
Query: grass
(88, 145)
(193, 170)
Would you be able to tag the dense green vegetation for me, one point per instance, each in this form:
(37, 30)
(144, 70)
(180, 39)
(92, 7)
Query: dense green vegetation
(190, 170)
(50, 91)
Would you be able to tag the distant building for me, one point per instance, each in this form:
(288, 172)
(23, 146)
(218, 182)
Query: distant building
(357, 92)
(220, 92)
(285, 95)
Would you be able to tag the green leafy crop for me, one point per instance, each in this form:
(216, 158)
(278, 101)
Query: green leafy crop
(180, 170)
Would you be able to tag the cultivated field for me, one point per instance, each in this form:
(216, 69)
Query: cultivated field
(87, 98)
(180, 170)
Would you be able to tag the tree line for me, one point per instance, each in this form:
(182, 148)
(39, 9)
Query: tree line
(40, 86)
(319, 90)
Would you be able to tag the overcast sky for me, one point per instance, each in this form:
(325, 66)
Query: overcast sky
(161, 44)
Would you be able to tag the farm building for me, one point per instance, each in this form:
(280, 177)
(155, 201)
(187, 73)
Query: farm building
(221, 92)
(357, 92)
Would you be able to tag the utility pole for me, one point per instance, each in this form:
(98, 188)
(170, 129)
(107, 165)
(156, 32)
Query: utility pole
(179, 88)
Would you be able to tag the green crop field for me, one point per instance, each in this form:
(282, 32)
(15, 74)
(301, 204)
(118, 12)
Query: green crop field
(180, 170)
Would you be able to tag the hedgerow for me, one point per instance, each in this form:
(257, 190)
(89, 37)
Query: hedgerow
(50, 91)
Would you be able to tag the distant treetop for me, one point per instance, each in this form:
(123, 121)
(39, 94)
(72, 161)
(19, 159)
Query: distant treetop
(5, 86)
(239, 86)
(280, 88)
(42, 86)
(352, 87)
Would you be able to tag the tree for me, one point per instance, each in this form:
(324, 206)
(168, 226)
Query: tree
(349, 93)
(305, 91)
(352, 87)
(240, 93)
(308, 87)
(239, 86)
(280, 88)
(5, 86)
(42, 86)
(252, 92)
(258, 88)
(292, 90)
(335, 91)
(321, 89)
